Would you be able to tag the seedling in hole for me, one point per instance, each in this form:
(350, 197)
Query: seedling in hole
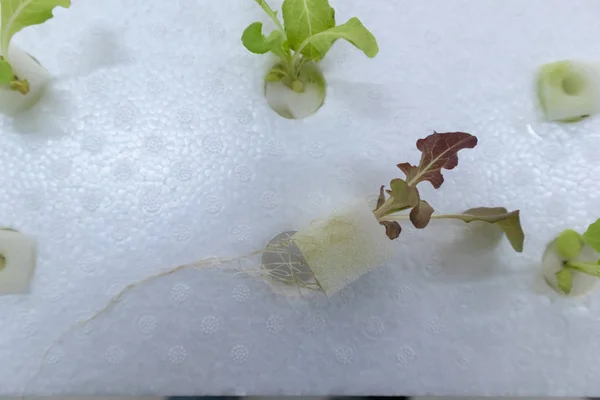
(20, 73)
(578, 263)
(307, 33)
(439, 151)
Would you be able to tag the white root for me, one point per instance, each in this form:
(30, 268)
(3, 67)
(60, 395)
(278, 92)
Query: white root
(285, 270)
(116, 299)
(338, 250)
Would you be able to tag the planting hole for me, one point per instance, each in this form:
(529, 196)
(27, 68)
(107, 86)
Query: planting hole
(573, 84)
(296, 98)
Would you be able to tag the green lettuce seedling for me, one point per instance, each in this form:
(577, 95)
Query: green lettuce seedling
(14, 16)
(439, 151)
(569, 245)
(306, 35)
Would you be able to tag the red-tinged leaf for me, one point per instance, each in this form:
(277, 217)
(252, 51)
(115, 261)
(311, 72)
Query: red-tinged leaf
(392, 229)
(421, 215)
(381, 198)
(440, 150)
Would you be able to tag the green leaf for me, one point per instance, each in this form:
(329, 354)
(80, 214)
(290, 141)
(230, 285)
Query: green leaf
(564, 280)
(6, 72)
(257, 43)
(254, 40)
(440, 151)
(316, 46)
(271, 13)
(305, 18)
(509, 222)
(403, 196)
(592, 236)
(568, 244)
(381, 199)
(18, 14)
(276, 74)
(590, 269)
(421, 215)
(279, 45)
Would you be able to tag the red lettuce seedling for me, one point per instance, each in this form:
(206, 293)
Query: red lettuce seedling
(439, 151)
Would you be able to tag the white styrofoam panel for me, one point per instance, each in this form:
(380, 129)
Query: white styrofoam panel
(154, 147)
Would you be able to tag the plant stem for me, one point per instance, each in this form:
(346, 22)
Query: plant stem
(300, 65)
(21, 86)
(288, 60)
(384, 209)
(291, 69)
(297, 86)
(406, 217)
(304, 44)
(590, 269)
(397, 217)
(295, 60)
(272, 14)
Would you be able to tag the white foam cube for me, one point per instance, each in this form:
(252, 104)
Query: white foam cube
(24, 67)
(18, 251)
(344, 246)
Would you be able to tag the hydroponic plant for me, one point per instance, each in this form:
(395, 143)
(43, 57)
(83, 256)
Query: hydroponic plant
(328, 254)
(22, 77)
(295, 86)
(568, 91)
(571, 263)
(439, 151)
(344, 246)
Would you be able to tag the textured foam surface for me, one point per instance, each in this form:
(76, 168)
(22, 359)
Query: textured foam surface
(155, 147)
